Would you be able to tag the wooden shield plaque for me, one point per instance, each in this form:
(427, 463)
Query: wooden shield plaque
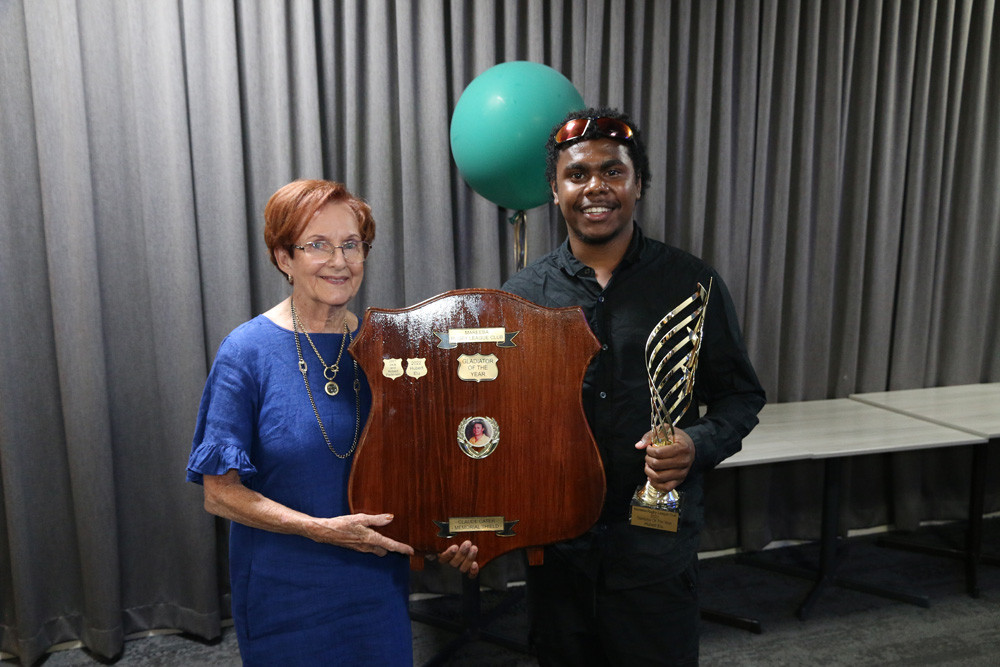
(477, 428)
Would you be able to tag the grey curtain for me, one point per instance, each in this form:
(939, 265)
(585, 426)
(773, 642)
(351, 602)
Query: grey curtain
(836, 160)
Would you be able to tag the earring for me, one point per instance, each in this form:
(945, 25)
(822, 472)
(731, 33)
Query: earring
(288, 277)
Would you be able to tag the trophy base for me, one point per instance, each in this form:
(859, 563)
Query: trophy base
(653, 509)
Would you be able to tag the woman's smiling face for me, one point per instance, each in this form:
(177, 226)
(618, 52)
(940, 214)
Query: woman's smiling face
(328, 279)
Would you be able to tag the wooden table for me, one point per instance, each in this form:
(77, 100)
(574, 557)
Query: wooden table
(975, 409)
(832, 431)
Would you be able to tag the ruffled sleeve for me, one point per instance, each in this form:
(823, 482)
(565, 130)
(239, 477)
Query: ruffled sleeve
(218, 459)
(226, 417)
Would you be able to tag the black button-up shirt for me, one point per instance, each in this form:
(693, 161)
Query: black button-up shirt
(651, 280)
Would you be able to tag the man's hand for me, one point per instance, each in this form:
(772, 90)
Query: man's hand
(668, 465)
(463, 557)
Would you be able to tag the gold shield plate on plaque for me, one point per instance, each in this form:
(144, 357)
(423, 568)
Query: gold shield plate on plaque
(416, 367)
(477, 367)
(392, 368)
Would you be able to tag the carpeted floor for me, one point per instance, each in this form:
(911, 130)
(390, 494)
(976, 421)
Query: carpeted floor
(845, 627)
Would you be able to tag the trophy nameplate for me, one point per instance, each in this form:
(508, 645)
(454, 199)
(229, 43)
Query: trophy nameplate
(490, 443)
(655, 518)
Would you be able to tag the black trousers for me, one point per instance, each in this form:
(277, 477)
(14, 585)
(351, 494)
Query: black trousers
(578, 621)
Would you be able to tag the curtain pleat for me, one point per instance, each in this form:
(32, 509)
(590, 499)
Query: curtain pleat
(838, 162)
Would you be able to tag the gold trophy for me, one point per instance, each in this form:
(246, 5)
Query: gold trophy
(671, 360)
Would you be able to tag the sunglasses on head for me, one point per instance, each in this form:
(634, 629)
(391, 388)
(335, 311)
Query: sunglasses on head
(608, 127)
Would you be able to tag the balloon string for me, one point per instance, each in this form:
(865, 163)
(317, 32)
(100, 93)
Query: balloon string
(520, 240)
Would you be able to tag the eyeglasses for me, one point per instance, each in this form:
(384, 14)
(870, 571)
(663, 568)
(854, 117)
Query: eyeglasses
(355, 252)
(608, 127)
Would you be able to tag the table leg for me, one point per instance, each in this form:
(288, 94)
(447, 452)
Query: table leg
(832, 480)
(474, 623)
(830, 557)
(732, 620)
(972, 553)
(974, 535)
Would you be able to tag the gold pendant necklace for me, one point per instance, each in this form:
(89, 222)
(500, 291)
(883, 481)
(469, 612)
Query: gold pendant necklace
(332, 391)
(329, 372)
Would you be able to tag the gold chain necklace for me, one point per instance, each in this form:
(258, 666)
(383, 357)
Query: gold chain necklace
(303, 368)
(329, 372)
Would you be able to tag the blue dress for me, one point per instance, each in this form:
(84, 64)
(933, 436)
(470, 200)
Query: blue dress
(295, 601)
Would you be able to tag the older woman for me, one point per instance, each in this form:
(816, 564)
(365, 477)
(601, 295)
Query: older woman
(278, 425)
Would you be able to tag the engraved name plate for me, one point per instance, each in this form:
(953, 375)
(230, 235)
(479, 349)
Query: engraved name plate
(416, 368)
(392, 368)
(478, 367)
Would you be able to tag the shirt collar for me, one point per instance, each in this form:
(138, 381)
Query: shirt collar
(574, 267)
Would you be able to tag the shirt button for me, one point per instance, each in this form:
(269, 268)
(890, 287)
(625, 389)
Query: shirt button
(604, 394)
(601, 299)
(605, 347)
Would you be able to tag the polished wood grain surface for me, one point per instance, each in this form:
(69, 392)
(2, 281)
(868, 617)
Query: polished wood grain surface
(545, 472)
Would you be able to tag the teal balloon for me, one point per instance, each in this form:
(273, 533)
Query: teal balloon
(500, 126)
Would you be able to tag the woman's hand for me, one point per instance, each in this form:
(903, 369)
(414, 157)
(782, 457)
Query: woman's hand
(462, 557)
(227, 497)
(353, 531)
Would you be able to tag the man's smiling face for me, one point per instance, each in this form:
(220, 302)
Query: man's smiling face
(596, 189)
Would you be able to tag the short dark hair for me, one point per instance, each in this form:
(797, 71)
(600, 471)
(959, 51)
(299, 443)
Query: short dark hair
(636, 147)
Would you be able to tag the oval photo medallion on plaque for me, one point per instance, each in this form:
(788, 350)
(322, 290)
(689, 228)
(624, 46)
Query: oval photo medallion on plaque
(478, 436)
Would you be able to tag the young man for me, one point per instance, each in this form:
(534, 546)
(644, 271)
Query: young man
(622, 594)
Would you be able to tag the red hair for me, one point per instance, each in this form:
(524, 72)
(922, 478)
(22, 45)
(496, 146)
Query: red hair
(289, 210)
